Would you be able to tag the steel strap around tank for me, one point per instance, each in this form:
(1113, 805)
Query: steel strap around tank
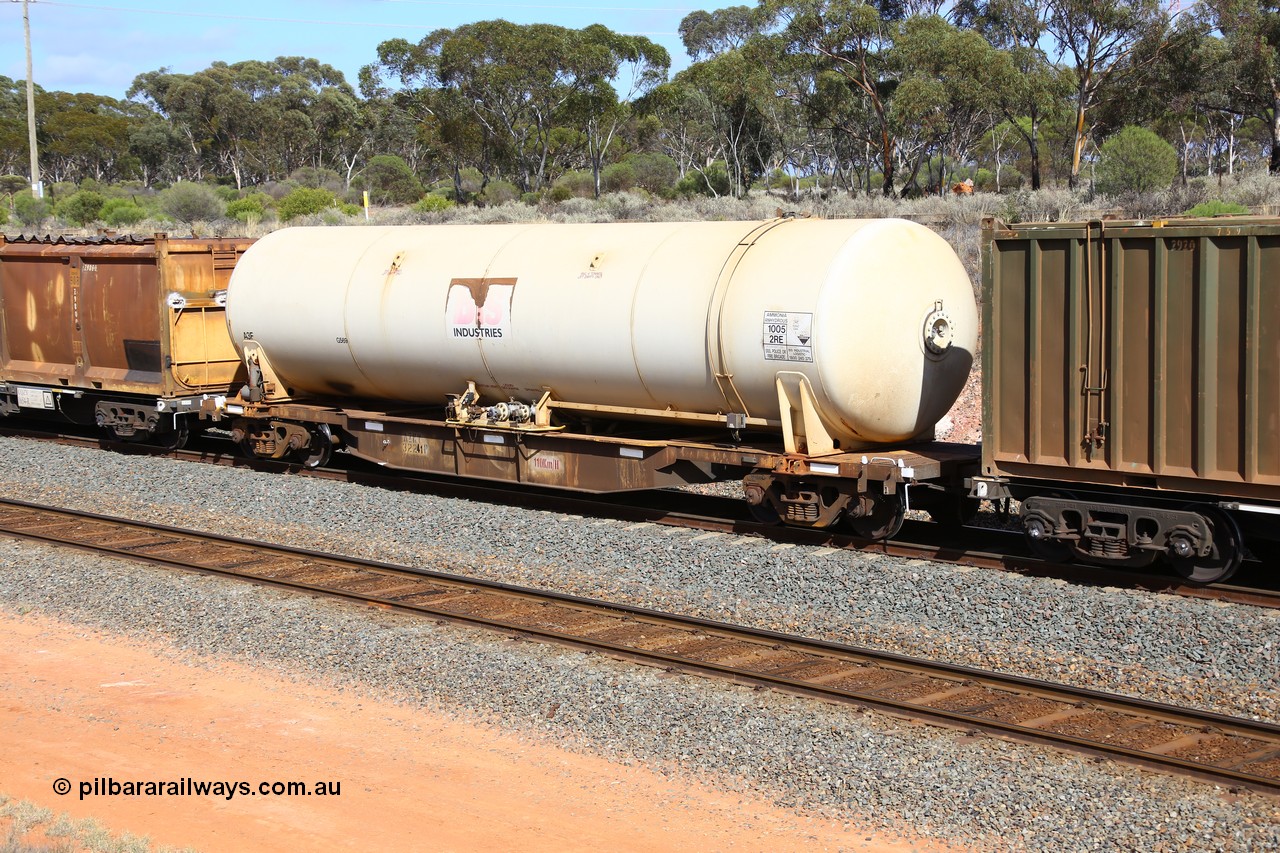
(715, 317)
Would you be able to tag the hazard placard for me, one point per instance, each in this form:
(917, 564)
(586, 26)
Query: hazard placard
(788, 336)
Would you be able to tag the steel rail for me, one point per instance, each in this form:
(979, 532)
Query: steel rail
(823, 669)
(979, 547)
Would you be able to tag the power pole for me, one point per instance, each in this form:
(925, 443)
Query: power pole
(37, 186)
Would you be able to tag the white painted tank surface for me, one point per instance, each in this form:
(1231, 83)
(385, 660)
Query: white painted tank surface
(877, 315)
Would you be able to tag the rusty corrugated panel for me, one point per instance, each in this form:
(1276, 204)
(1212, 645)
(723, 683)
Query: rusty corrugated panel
(1135, 354)
(95, 313)
(65, 240)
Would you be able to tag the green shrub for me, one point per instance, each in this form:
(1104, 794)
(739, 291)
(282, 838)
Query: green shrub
(656, 173)
(1135, 160)
(81, 208)
(250, 207)
(12, 184)
(1217, 208)
(500, 192)
(190, 202)
(29, 210)
(389, 180)
(984, 180)
(226, 193)
(122, 211)
(618, 177)
(432, 203)
(305, 201)
(579, 184)
(315, 178)
(713, 181)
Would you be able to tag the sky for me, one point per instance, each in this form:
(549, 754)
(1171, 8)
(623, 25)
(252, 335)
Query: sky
(99, 46)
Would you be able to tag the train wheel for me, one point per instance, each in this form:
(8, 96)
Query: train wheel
(1037, 529)
(1223, 559)
(765, 513)
(1037, 534)
(318, 453)
(112, 434)
(884, 521)
(171, 439)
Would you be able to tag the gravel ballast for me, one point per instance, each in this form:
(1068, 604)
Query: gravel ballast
(802, 753)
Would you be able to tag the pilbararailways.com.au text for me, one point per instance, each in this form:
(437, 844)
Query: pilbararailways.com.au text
(106, 786)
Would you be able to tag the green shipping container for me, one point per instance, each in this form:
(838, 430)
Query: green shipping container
(1134, 354)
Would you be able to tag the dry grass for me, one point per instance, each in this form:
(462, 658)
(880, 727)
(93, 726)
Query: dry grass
(28, 828)
(956, 218)
(1258, 191)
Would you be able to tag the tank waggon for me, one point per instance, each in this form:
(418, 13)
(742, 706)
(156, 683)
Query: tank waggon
(810, 357)
(125, 333)
(1132, 388)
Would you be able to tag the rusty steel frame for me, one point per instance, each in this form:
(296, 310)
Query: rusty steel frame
(575, 461)
(117, 319)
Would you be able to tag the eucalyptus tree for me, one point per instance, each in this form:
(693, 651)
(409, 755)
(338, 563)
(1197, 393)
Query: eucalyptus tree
(80, 135)
(706, 34)
(173, 98)
(254, 119)
(157, 148)
(522, 85)
(711, 113)
(84, 136)
(1101, 40)
(1177, 93)
(13, 126)
(430, 129)
(1251, 62)
(850, 50)
(676, 116)
(1024, 84)
(1213, 98)
(342, 129)
(749, 83)
(1028, 90)
(943, 96)
(322, 108)
(607, 56)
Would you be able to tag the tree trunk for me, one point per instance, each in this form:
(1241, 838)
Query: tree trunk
(1186, 151)
(1033, 148)
(995, 145)
(887, 148)
(1077, 150)
(1274, 166)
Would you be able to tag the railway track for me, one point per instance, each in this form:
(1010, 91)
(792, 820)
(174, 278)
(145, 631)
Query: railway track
(1225, 750)
(971, 547)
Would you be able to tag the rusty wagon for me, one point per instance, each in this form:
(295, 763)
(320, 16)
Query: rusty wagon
(1132, 387)
(122, 332)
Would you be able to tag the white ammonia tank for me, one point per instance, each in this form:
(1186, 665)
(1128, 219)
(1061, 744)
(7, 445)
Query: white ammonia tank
(875, 318)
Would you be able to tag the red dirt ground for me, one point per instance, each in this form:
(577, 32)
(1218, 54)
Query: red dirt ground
(79, 704)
